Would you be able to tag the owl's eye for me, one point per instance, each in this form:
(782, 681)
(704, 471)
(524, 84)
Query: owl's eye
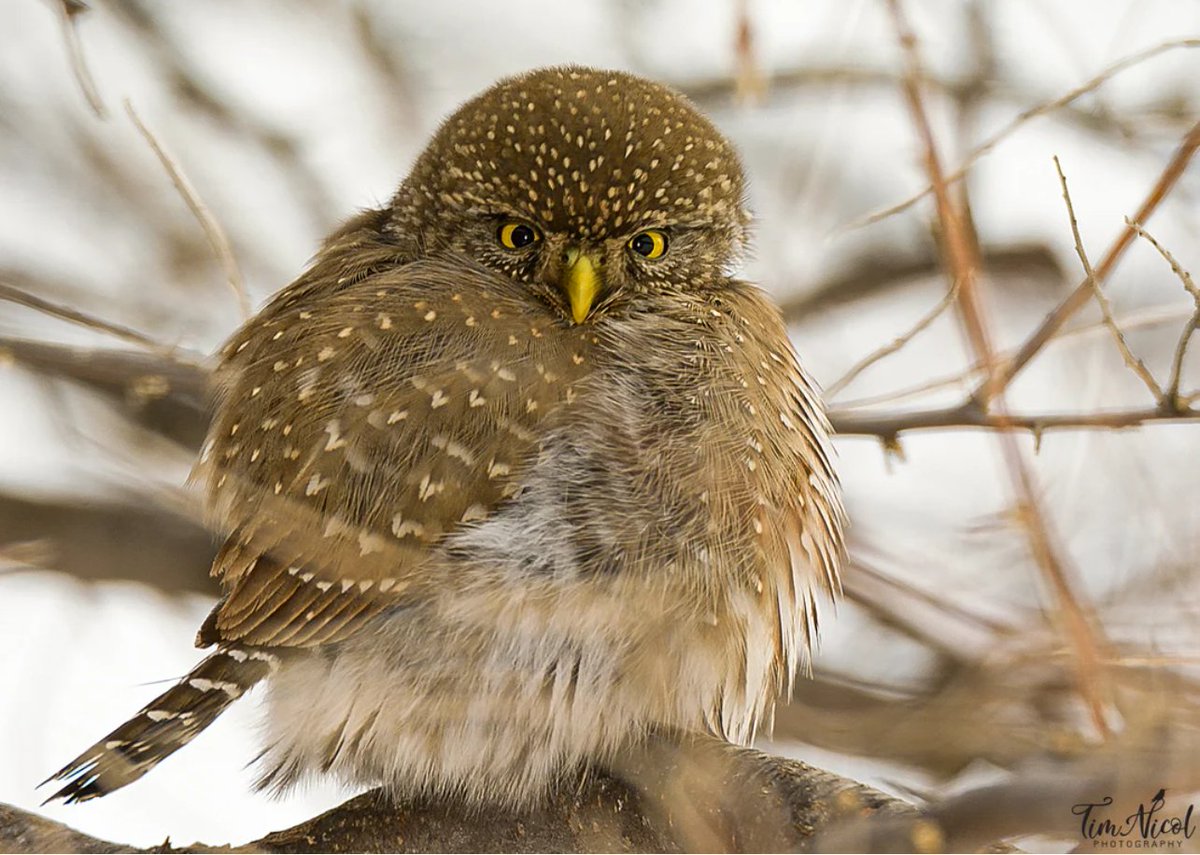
(517, 235)
(651, 243)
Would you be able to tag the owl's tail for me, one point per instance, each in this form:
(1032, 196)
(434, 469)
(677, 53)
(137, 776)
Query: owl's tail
(165, 725)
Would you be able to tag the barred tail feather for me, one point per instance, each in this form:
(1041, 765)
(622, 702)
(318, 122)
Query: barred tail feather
(165, 725)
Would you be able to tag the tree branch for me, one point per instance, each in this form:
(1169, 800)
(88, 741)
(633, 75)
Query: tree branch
(889, 426)
(691, 796)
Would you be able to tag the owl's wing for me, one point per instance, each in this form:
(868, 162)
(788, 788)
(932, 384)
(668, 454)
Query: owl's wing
(358, 428)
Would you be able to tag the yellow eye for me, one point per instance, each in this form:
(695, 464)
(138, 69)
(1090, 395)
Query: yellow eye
(517, 235)
(651, 243)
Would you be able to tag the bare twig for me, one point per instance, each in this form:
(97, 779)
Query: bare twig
(1170, 398)
(1189, 284)
(1020, 119)
(997, 381)
(1152, 316)
(962, 263)
(69, 13)
(12, 294)
(891, 347)
(1133, 362)
(212, 229)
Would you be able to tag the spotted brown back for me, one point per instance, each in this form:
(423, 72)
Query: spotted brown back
(356, 435)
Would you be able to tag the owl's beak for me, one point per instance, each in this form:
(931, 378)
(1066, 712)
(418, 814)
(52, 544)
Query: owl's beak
(581, 282)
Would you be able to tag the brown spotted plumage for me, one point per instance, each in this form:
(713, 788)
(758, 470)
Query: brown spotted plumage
(515, 472)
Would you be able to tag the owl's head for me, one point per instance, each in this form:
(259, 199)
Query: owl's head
(593, 187)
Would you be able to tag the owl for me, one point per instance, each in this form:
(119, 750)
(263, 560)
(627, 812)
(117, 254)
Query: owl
(516, 473)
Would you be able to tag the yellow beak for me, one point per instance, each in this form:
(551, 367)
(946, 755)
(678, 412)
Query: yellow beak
(581, 282)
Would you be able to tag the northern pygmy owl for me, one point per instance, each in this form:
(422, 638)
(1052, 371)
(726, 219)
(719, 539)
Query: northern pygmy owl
(515, 472)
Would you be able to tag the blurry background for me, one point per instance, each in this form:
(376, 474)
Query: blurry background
(990, 632)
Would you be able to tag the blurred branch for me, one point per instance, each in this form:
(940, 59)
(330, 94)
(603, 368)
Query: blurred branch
(1171, 107)
(12, 294)
(103, 540)
(876, 273)
(1012, 706)
(956, 633)
(1020, 119)
(383, 54)
(750, 84)
(208, 223)
(1038, 802)
(815, 76)
(668, 797)
(69, 13)
(1081, 631)
(167, 395)
(999, 379)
